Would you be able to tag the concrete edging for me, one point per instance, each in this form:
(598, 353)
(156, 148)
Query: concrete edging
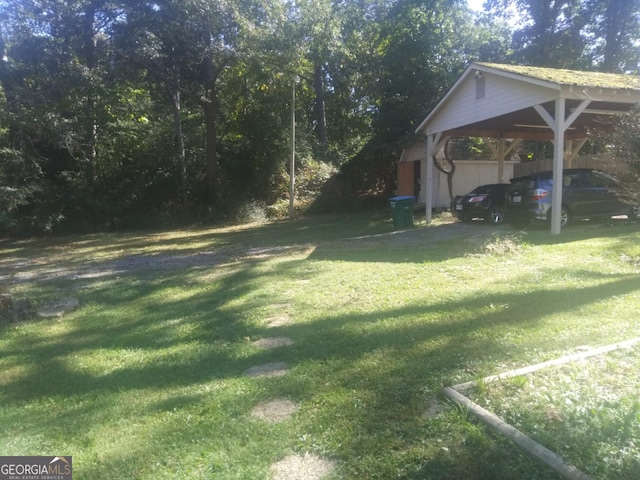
(530, 446)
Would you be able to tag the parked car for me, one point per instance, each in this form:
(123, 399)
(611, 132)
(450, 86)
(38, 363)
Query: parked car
(485, 202)
(586, 193)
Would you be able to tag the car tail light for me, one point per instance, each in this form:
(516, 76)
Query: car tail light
(478, 198)
(539, 194)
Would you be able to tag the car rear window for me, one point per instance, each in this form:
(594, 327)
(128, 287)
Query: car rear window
(522, 184)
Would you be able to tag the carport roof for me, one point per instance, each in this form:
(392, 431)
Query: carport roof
(507, 101)
(559, 76)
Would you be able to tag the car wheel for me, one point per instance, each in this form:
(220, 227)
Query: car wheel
(634, 213)
(565, 217)
(496, 215)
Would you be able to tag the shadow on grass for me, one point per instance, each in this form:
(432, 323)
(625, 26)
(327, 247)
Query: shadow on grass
(214, 329)
(362, 377)
(362, 237)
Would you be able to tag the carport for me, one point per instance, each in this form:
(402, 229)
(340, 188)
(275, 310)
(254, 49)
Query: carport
(508, 103)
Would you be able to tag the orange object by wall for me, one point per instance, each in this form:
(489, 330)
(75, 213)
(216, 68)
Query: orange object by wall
(406, 181)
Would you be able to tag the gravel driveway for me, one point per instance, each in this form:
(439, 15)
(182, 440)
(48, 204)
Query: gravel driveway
(52, 265)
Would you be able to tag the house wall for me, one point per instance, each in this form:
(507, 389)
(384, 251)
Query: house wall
(469, 174)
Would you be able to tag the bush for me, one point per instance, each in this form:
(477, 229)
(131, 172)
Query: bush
(621, 146)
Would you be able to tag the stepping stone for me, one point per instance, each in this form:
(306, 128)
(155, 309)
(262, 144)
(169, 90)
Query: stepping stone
(301, 467)
(276, 369)
(279, 321)
(273, 342)
(59, 308)
(434, 408)
(275, 411)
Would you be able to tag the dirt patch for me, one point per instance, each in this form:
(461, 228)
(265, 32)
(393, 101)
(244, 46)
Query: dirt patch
(275, 411)
(53, 267)
(434, 408)
(46, 268)
(59, 308)
(275, 369)
(273, 342)
(301, 467)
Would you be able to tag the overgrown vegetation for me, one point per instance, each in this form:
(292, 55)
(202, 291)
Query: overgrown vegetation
(621, 145)
(146, 379)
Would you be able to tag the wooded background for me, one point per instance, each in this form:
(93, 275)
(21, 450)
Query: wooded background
(143, 114)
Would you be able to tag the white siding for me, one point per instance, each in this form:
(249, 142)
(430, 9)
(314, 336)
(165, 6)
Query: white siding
(469, 174)
(414, 154)
(502, 95)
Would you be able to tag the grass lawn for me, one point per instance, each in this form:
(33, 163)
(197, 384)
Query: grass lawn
(146, 380)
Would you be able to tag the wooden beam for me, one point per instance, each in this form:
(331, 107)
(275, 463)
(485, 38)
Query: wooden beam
(492, 146)
(572, 150)
(546, 116)
(507, 134)
(512, 146)
(576, 113)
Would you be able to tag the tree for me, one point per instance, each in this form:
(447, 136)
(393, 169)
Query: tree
(549, 34)
(79, 110)
(620, 143)
(423, 47)
(155, 40)
(223, 29)
(119, 112)
(615, 27)
(578, 34)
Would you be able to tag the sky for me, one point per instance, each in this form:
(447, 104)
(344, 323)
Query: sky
(475, 4)
(514, 20)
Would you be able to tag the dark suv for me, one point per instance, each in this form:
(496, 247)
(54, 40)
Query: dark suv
(586, 193)
(485, 201)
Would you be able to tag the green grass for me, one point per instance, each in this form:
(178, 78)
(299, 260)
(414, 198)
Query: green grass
(145, 380)
(587, 411)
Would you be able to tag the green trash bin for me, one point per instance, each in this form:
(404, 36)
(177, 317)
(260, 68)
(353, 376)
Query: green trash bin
(402, 211)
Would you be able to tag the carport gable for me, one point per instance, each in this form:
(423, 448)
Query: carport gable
(509, 101)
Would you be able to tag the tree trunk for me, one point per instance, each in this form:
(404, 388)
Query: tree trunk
(321, 116)
(452, 168)
(210, 107)
(174, 93)
(91, 101)
(614, 25)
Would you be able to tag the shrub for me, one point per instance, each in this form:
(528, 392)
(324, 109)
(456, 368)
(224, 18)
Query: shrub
(621, 145)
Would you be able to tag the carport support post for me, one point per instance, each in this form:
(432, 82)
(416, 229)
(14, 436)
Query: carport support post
(427, 183)
(558, 164)
(559, 124)
(501, 155)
